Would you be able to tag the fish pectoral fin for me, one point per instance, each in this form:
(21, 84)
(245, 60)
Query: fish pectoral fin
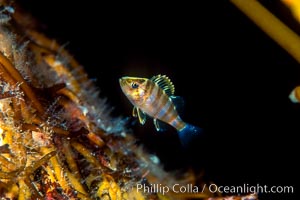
(134, 111)
(141, 115)
(164, 83)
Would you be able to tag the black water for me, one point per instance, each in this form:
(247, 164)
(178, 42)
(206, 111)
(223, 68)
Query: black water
(234, 79)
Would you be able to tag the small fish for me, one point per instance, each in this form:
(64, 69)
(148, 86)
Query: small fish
(154, 97)
(295, 95)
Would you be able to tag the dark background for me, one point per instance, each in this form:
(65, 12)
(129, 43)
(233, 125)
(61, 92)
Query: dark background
(234, 79)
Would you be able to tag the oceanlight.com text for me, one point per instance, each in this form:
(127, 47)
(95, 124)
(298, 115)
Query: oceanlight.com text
(213, 188)
(246, 189)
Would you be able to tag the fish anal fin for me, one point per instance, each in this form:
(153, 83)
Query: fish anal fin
(164, 83)
(159, 125)
(156, 124)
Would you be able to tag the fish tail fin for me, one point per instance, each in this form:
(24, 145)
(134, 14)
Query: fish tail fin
(188, 134)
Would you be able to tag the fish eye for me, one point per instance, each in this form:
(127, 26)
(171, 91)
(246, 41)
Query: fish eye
(134, 85)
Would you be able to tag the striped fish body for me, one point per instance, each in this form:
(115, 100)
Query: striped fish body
(160, 106)
(154, 98)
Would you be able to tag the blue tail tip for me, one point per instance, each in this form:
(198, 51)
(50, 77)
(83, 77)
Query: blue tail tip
(188, 134)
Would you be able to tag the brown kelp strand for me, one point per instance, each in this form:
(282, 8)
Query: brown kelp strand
(57, 138)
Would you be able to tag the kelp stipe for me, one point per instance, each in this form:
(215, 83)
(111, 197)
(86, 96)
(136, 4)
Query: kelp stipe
(57, 138)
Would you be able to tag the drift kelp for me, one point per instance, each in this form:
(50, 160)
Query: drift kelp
(57, 139)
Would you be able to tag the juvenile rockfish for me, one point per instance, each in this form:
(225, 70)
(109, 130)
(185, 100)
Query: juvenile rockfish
(155, 97)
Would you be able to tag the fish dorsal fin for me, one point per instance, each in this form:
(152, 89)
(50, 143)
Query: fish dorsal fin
(178, 103)
(164, 83)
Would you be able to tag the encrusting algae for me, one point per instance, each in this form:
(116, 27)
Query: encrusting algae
(57, 139)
